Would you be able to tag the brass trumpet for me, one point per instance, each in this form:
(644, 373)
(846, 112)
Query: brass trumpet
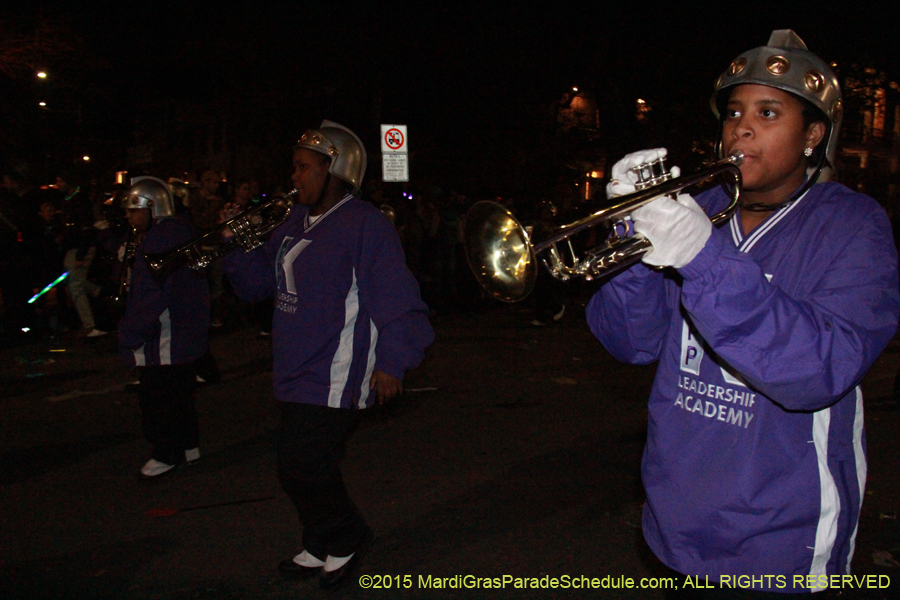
(503, 256)
(247, 228)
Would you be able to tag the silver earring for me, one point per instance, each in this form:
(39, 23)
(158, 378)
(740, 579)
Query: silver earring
(807, 152)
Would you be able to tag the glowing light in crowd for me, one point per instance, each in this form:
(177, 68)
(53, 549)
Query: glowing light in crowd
(48, 288)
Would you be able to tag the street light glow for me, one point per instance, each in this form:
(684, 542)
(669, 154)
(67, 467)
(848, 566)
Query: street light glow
(42, 104)
(41, 75)
(86, 158)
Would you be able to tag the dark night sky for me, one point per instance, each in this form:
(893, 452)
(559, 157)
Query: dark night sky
(453, 73)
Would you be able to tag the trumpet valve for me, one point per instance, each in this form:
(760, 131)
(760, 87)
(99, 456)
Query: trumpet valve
(197, 259)
(244, 231)
(651, 173)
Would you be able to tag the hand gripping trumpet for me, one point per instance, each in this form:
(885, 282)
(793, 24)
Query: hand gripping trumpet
(247, 228)
(503, 256)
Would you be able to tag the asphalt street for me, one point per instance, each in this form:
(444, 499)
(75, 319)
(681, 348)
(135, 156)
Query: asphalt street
(514, 453)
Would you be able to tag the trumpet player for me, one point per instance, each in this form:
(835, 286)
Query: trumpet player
(348, 324)
(755, 465)
(164, 330)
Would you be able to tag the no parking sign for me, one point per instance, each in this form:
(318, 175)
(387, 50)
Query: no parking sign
(394, 153)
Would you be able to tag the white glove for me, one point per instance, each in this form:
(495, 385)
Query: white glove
(678, 230)
(623, 178)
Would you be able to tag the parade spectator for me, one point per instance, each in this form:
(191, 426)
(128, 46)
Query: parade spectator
(48, 251)
(348, 324)
(78, 216)
(181, 195)
(262, 311)
(205, 204)
(243, 193)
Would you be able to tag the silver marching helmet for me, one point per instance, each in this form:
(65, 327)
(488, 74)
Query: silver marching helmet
(342, 146)
(786, 64)
(180, 190)
(152, 193)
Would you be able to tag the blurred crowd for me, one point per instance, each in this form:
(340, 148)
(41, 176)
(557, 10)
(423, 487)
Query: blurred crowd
(79, 228)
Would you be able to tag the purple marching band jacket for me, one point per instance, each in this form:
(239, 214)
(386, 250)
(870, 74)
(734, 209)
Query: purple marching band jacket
(755, 458)
(345, 303)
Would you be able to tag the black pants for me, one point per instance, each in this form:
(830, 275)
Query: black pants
(169, 414)
(310, 448)
(263, 312)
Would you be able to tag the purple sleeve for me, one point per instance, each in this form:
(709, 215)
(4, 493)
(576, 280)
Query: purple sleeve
(805, 350)
(391, 294)
(630, 315)
(252, 274)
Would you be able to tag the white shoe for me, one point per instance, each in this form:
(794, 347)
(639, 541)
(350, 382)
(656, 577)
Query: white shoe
(96, 333)
(191, 456)
(305, 559)
(154, 468)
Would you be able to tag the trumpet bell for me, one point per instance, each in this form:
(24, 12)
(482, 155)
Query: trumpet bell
(499, 252)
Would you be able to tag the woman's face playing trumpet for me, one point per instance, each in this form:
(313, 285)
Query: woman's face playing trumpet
(768, 126)
(310, 176)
